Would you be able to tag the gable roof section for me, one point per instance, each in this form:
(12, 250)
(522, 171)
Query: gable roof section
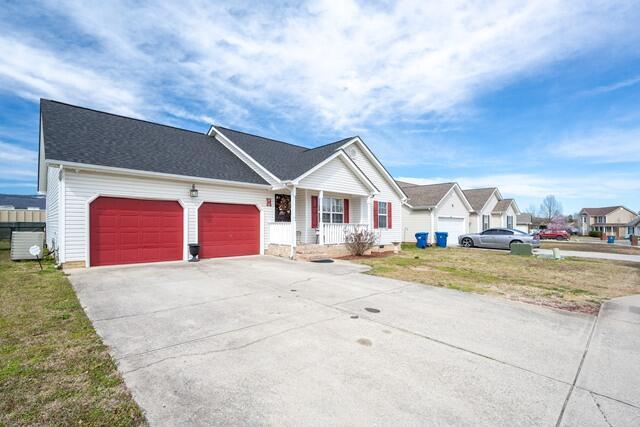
(80, 135)
(427, 196)
(524, 218)
(634, 222)
(478, 197)
(502, 205)
(404, 184)
(284, 160)
(602, 211)
(22, 201)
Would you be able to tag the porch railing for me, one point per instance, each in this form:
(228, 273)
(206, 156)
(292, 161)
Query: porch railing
(280, 233)
(334, 234)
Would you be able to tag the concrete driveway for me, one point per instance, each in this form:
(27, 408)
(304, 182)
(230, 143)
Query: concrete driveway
(262, 340)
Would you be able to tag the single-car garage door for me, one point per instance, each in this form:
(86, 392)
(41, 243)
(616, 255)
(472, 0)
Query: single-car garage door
(453, 226)
(228, 230)
(127, 231)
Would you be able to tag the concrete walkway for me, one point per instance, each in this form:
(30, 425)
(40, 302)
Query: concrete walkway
(261, 340)
(585, 254)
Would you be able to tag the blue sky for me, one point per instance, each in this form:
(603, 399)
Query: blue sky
(536, 97)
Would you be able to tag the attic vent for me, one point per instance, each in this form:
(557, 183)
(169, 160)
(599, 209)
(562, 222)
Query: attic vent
(353, 153)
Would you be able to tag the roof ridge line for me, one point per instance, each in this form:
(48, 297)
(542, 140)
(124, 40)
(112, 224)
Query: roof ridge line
(123, 116)
(263, 137)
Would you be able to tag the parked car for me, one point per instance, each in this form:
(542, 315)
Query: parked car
(497, 238)
(554, 234)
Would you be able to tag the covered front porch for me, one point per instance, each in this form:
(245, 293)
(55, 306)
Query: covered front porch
(305, 217)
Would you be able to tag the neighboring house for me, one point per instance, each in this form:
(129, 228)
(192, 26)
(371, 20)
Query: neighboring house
(611, 220)
(490, 209)
(436, 207)
(121, 190)
(524, 222)
(633, 227)
(21, 213)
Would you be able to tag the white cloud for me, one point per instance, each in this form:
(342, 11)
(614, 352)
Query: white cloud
(613, 86)
(336, 65)
(33, 73)
(17, 163)
(601, 145)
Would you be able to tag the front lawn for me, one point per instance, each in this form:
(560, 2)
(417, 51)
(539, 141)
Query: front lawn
(573, 284)
(54, 370)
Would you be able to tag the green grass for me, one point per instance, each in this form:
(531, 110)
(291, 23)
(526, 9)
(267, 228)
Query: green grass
(54, 369)
(573, 284)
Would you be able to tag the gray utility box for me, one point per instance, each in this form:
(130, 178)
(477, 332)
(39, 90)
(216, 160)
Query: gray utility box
(21, 241)
(522, 249)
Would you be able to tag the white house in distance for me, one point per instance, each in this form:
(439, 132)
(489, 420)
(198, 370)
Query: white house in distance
(490, 209)
(122, 190)
(436, 207)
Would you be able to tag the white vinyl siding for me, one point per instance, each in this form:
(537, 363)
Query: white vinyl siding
(387, 194)
(415, 221)
(52, 202)
(82, 186)
(336, 177)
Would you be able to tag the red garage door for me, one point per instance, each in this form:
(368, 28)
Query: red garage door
(127, 231)
(228, 230)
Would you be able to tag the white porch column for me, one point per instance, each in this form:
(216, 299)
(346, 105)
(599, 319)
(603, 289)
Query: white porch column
(370, 212)
(320, 227)
(293, 223)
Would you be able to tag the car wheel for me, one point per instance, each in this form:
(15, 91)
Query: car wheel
(560, 238)
(514, 241)
(467, 242)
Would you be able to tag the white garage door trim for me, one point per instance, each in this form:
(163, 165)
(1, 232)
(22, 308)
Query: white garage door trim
(455, 226)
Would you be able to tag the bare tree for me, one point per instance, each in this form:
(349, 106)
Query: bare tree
(550, 207)
(531, 210)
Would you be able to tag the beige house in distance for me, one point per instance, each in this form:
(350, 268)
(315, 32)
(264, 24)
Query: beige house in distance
(435, 207)
(610, 220)
(490, 209)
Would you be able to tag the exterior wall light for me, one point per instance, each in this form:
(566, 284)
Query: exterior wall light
(194, 191)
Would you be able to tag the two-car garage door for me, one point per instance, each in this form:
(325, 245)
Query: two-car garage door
(126, 231)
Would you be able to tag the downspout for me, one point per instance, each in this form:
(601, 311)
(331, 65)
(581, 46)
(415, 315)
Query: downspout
(293, 191)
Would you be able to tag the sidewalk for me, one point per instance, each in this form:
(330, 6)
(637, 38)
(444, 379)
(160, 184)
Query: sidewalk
(596, 255)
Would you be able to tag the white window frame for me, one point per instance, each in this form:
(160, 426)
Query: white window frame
(384, 215)
(336, 207)
(510, 218)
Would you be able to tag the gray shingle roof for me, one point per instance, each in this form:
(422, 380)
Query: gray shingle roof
(80, 135)
(634, 222)
(600, 211)
(478, 197)
(284, 160)
(22, 201)
(424, 196)
(502, 206)
(524, 218)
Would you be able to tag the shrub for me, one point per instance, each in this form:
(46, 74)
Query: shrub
(597, 234)
(360, 241)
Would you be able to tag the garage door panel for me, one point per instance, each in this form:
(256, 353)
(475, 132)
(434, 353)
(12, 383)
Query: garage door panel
(454, 226)
(126, 231)
(228, 230)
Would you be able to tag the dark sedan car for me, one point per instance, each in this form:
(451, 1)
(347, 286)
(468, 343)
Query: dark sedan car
(497, 238)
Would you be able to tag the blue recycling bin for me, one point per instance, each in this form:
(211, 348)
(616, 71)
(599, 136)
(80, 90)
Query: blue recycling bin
(441, 238)
(421, 240)
(611, 239)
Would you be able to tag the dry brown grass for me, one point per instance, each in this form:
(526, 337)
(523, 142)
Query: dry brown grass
(572, 284)
(54, 370)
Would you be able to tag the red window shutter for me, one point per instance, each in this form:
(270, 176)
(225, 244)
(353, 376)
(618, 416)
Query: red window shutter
(389, 210)
(375, 214)
(346, 211)
(314, 211)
